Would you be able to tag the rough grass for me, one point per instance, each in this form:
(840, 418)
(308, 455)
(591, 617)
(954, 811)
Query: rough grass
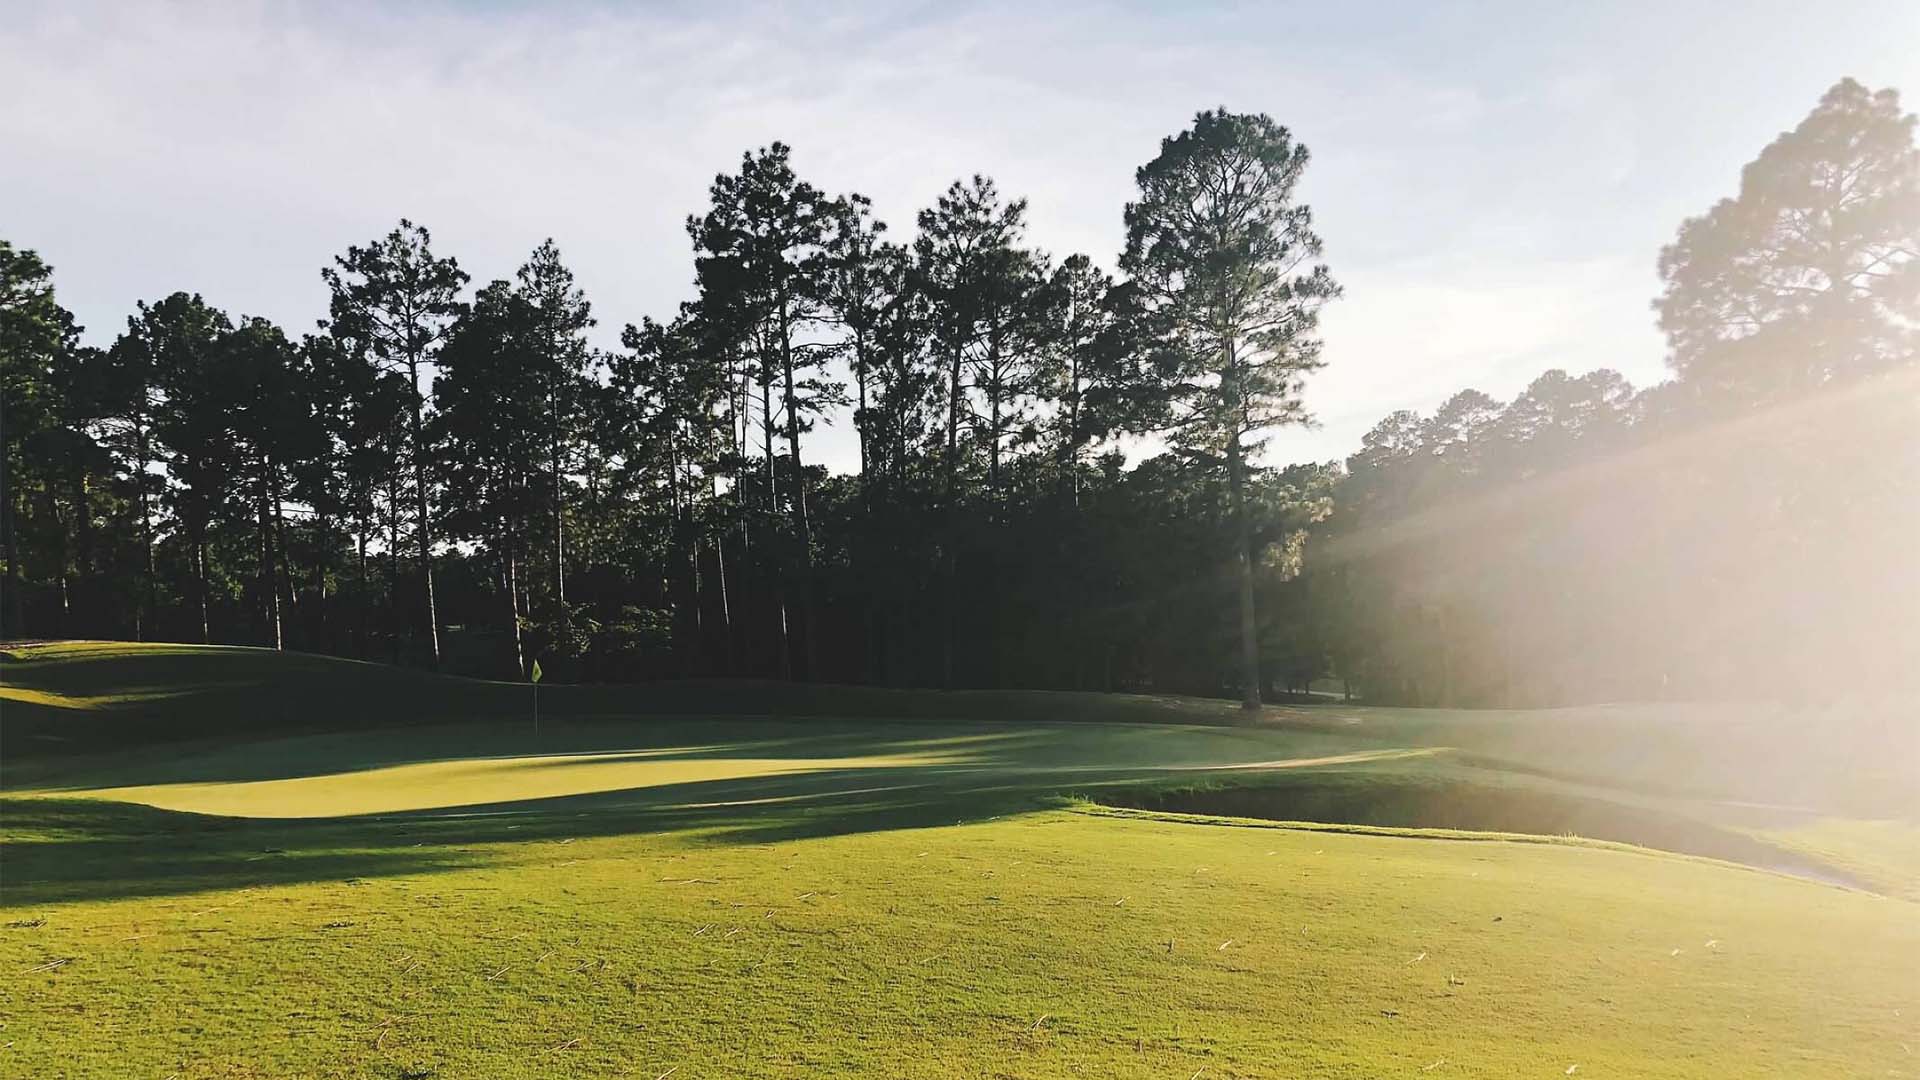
(647, 892)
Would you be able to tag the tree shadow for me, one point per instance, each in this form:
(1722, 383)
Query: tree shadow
(147, 694)
(60, 850)
(577, 741)
(1407, 800)
(66, 849)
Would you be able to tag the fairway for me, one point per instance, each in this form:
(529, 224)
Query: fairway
(914, 896)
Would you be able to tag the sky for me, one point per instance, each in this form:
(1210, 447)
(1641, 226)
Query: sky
(1493, 181)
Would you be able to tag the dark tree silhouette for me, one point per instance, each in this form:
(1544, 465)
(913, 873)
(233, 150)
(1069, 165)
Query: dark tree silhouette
(1220, 247)
(1744, 528)
(762, 252)
(397, 300)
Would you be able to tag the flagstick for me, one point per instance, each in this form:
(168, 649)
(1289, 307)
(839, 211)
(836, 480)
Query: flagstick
(533, 676)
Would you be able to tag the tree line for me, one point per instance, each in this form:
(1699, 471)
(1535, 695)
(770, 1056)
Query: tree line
(454, 476)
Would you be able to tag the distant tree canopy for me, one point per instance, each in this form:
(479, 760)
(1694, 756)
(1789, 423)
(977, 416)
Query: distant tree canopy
(1810, 274)
(459, 478)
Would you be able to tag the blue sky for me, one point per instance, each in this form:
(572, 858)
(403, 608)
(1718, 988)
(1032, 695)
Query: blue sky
(1493, 181)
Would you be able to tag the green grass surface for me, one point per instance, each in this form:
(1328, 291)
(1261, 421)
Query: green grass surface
(1883, 853)
(200, 879)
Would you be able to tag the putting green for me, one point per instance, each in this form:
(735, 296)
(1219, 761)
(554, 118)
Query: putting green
(344, 786)
(446, 784)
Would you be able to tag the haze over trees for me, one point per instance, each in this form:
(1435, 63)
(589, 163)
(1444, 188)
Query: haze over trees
(455, 477)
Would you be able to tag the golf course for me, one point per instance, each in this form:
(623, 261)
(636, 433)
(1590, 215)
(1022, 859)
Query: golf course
(975, 541)
(227, 862)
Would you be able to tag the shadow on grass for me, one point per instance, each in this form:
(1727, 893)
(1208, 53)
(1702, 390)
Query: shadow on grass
(145, 694)
(1007, 747)
(59, 849)
(575, 742)
(66, 849)
(1407, 800)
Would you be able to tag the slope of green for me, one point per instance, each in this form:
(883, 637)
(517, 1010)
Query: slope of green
(644, 761)
(431, 889)
(1886, 853)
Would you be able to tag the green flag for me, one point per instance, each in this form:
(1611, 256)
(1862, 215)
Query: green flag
(534, 676)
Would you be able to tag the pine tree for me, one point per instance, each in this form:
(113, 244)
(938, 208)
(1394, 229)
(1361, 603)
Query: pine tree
(1219, 246)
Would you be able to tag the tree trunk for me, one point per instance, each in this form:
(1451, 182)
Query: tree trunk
(785, 657)
(860, 421)
(994, 389)
(323, 544)
(740, 400)
(801, 520)
(1243, 559)
(680, 513)
(1072, 440)
(200, 580)
(360, 597)
(422, 525)
(949, 564)
(993, 673)
(83, 535)
(62, 557)
(393, 563)
(269, 587)
(559, 522)
(11, 614)
(283, 565)
(693, 561)
(513, 600)
(699, 615)
(146, 536)
(726, 610)
(864, 536)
